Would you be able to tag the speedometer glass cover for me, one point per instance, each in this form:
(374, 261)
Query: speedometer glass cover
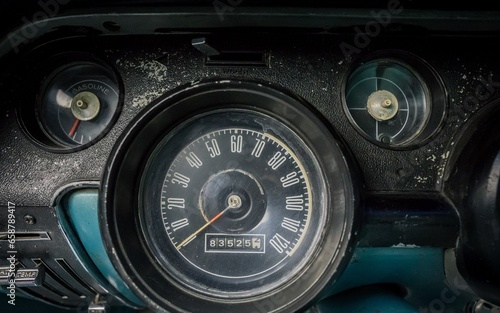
(233, 209)
(244, 195)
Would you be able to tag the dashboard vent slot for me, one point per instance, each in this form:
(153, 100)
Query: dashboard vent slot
(64, 265)
(26, 236)
(54, 290)
(45, 295)
(51, 274)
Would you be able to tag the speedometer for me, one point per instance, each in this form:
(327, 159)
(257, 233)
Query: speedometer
(229, 196)
(231, 206)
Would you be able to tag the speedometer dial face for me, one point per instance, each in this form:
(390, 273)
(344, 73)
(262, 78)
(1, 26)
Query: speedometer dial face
(233, 205)
(233, 201)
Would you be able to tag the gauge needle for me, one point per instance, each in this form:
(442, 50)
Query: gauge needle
(188, 239)
(73, 129)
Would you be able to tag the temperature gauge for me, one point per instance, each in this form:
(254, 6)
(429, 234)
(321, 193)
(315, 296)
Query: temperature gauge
(79, 104)
(389, 102)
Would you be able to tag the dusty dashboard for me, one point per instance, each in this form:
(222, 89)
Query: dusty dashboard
(250, 169)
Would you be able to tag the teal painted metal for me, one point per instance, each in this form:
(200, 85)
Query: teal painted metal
(81, 208)
(413, 267)
(403, 279)
(366, 301)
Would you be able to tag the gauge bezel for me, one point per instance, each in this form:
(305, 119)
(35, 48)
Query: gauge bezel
(121, 229)
(45, 70)
(432, 84)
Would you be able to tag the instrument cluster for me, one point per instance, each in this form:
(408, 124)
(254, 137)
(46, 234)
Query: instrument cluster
(225, 171)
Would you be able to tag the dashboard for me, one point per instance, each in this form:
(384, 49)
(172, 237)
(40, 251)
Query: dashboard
(243, 156)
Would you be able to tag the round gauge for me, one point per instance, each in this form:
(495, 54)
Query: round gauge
(390, 103)
(215, 199)
(232, 195)
(78, 104)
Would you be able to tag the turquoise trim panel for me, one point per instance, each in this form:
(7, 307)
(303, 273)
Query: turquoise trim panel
(403, 279)
(81, 208)
(366, 301)
(418, 269)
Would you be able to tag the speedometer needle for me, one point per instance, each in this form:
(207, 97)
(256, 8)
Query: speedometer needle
(188, 239)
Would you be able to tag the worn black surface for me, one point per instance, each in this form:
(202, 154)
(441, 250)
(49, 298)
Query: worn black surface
(65, 283)
(408, 220)
(473, 186)
(312, 66)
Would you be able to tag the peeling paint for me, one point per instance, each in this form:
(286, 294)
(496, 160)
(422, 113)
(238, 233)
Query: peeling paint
(402, 245)
(421, 179)
(146, 98)
(432, 158)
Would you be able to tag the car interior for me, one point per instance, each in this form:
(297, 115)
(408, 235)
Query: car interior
(249, 156)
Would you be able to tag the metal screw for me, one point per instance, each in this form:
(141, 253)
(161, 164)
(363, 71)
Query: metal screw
(385, 139)
(234, 202)
(29, 219)
(387, 103)
(81, 104)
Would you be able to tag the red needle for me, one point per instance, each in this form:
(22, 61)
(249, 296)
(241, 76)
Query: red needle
(188, 239)
(73, 129)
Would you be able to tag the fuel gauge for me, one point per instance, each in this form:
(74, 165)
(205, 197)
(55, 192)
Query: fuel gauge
(78, 104)
(392, 104)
